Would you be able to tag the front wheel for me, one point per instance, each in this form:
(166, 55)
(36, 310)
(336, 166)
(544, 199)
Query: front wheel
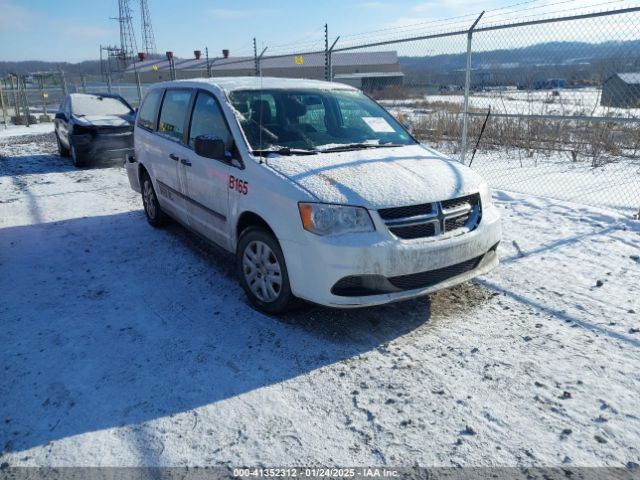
(76, 157)
(155, 216)
(263, 272)
(62, 150)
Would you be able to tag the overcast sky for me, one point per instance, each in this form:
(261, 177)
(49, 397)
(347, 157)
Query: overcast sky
(72, 30)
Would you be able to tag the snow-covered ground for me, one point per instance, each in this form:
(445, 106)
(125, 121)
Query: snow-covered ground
(125, 345)
(563, 101)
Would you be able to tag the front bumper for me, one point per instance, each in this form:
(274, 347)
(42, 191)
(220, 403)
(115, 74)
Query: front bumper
(103, 146)
(395, 269)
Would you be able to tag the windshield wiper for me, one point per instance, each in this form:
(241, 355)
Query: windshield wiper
(358, 146)
(284, 151)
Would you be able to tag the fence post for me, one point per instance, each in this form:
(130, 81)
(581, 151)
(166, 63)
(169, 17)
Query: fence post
(138, 88)
(63, 82)
(255, 58)
(328, 52)
(22, 92)
(4, 108)
(206, 53)
(467, 87)
(16, 105)
(83, 80)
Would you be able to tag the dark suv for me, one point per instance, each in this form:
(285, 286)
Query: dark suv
(94, 126)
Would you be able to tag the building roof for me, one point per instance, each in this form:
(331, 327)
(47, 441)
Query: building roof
(630, 78)
(247, 63)
(229, 84)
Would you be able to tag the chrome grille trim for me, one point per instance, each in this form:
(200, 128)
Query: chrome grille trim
(463, 213)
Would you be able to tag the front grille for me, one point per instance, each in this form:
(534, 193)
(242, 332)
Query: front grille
(428, 279)
(404, 212)
(458, 202)
(457, 222)
(432, 219)
(415, 231)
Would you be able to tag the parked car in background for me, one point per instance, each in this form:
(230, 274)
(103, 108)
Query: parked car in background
(94, 126)
(320, 193)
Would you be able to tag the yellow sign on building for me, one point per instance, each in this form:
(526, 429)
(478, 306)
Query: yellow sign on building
(155, 68)
(299, 60)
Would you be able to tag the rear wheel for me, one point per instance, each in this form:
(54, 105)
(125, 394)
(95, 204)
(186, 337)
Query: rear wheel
(155, 216)
(62, 150)
(263, 272)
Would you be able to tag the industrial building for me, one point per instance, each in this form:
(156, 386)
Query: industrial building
(368, 70)
(621, 90)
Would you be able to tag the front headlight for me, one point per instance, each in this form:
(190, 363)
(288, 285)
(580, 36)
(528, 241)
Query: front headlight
(485, 195)
(325, 219)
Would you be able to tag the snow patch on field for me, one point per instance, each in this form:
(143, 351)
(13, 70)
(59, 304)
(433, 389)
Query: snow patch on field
(125, 345)
(19, 130)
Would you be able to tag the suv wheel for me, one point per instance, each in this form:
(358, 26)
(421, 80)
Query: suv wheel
(263, 272)
(155, 216)
(62, 150)
(76, 158)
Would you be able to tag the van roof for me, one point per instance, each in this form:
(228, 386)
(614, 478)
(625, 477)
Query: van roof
(229, 84)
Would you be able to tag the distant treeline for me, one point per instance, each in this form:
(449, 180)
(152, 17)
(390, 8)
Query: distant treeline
(577, 63)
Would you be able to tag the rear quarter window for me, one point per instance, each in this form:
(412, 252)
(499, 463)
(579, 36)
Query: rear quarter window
(148, 112)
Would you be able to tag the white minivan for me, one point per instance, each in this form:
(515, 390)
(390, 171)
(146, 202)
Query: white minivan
(319, 192)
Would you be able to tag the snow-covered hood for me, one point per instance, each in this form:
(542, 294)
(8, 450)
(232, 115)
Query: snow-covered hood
(379, 178)
(105, 120)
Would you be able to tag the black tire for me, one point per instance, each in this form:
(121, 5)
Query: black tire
(62, 150)
(284, 300)
(76, 157)
(155, 216)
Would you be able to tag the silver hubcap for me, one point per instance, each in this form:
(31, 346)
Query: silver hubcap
(262, 271)
(147, 199)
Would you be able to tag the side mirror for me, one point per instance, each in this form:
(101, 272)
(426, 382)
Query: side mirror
(60, 116)
(210, 147)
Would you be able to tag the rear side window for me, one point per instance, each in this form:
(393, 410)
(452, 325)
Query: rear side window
(173, 113)
(148, 111)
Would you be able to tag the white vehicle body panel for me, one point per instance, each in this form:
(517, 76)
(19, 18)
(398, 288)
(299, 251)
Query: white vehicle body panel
(201, 198)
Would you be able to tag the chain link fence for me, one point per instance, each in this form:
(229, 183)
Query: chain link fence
(541, 106)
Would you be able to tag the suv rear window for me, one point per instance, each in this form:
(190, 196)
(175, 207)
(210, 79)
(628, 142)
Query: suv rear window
(173, 113)
(148, 112)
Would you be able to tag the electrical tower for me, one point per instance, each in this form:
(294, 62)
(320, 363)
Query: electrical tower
(148, 40)
(128, 47)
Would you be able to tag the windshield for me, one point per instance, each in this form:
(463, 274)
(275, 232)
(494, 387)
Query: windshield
(315, 120)
(87, 105)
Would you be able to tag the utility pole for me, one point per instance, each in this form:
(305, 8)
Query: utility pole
(148, 39)
(128, 45)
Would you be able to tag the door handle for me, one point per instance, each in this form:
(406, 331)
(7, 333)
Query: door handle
(173, 156)
(186, 162)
